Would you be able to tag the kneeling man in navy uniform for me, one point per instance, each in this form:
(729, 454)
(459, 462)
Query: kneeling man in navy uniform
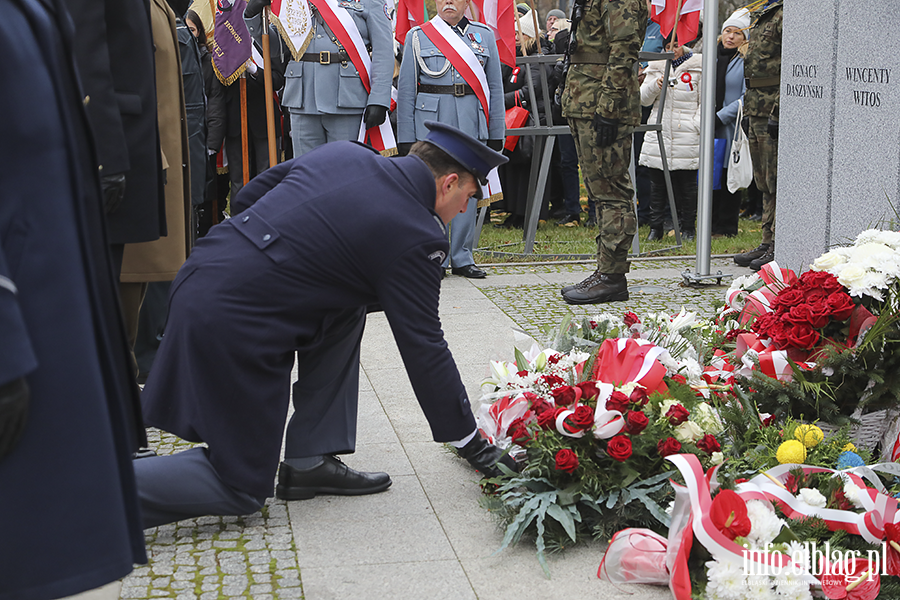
(312, 247)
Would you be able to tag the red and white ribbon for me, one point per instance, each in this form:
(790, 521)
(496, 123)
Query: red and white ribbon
(462, 58)
(722, 548)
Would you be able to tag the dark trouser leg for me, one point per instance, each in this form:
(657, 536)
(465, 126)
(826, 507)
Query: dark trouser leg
(568, 167)
(132, 296)
(326, 393)
(185, 485)
(659, 198)
(764, 154)
(725, 209)
(685, 187)
(234, 152)
(151, 323)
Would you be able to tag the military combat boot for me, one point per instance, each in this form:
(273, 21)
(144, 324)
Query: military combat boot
(591, 280)
(748, 257)
(611, 287)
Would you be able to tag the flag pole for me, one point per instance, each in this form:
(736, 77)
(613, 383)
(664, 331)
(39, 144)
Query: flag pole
(537, 30)
(519, 35)
(245, 155)
(267, 77)
(215, 199)
(675, 26)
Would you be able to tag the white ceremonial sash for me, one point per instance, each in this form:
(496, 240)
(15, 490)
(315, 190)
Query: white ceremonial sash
(462, 58)
(491, 192)
(293, 20)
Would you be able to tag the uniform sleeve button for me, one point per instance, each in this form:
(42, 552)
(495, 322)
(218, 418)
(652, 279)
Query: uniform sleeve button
(245, 219)
(267, 237)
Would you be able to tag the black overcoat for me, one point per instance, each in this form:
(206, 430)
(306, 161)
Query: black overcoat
(114, 54)
(68, 510)
(338, 228)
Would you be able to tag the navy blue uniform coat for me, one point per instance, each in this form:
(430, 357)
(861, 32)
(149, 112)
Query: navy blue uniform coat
(311, 243)
(68, 509)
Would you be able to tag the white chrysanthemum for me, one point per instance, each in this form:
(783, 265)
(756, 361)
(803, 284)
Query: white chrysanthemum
(812, 497)
(707, 417)
(792, 585)
(799, 554)
(688, 432)
(764, 524)
(726, 579)
(877, 236)
(611, 321)
(852, 493)
(759, 587)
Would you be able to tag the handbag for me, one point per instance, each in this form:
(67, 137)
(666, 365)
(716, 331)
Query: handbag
(516, 116)
(719, 162)
(740, 168)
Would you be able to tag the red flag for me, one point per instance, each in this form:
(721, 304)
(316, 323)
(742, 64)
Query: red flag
(410, 13)
(664, 12)
(499, 16)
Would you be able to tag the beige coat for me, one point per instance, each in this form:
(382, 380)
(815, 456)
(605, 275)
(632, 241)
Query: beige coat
(160, 260)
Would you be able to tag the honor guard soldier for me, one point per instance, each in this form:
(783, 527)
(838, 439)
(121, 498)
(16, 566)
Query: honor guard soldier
(323, 91)
(762, 72)
(451, 73)
(602, 102)
(304, 258)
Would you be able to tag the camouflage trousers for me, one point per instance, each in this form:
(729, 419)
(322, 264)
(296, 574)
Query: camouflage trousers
(606, 177)
(764, 156)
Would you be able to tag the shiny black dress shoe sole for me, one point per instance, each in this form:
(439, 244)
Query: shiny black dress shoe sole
(331, 477)
(469, 271)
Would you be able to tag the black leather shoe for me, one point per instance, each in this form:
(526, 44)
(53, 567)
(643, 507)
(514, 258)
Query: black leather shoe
(590, 280)
(768, 257)
(656, 233)
(576, 219)
(748, 257)
(612, 287)
(330, 477)
(470, 271)
(688, 236)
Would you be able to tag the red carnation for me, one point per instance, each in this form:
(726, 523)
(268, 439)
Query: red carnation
(709, 444)
(679, 379)
(566, 460)
(677, 414)
(619, 448)
(552, 380)
(635, 422)
(554, 359)
(668, 446)
(617, 401)
(630, 319)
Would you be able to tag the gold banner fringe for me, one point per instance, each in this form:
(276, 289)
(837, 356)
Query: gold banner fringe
(273, 19)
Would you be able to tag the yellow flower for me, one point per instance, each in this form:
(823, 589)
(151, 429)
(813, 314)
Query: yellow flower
(810, 435)
(791, 452)
(849, 448)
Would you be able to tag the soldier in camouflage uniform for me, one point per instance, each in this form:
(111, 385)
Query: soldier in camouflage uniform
(602, 102)
(762, 69)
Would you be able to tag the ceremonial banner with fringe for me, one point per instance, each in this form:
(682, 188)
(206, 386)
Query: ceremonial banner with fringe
(231, 45)
(294, 22)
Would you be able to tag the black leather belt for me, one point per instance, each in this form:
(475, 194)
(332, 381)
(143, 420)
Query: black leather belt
(459, 89)
(325, 57)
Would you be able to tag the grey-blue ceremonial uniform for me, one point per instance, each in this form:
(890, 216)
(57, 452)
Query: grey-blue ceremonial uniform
(326, 101)
(424, 64)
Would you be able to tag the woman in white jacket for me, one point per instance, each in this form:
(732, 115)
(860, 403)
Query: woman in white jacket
(681, 138)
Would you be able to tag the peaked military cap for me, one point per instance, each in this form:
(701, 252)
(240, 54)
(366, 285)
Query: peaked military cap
(472, 154)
